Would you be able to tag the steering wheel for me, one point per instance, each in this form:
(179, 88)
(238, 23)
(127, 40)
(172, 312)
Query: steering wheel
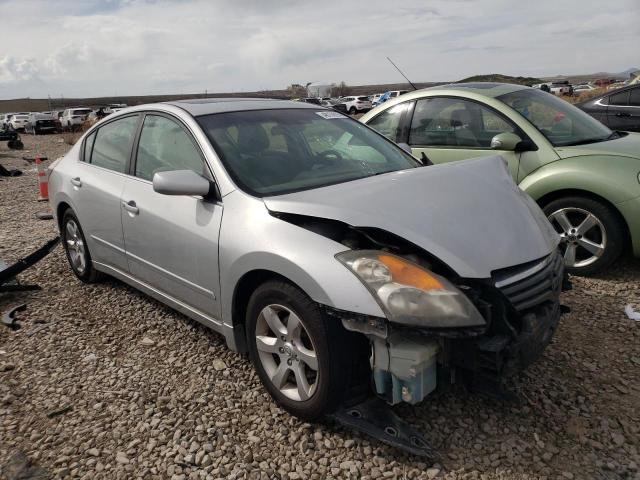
(329, 156)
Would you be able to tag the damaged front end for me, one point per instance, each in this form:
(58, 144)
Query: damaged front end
(506, 325)
(442, 329)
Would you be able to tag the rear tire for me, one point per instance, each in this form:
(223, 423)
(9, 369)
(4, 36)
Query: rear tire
(593, 234)
(285, 360)
(352, 111)
(75, 246)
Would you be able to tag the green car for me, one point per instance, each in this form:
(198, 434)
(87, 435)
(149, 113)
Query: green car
(584, 176)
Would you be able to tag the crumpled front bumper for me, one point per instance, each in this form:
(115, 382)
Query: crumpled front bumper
(522, 309)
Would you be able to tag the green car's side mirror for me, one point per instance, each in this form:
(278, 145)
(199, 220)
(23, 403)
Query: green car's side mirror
(505, 141)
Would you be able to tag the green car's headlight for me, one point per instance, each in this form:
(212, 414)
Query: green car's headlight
(410, 294)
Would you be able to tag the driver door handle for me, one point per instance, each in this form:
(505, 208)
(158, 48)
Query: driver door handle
(621, 114)
(76, 182)
(131, 207)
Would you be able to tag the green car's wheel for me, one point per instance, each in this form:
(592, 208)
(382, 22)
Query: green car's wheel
(592, 233)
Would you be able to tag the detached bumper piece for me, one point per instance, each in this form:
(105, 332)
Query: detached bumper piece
(9, 273)
(374, 417)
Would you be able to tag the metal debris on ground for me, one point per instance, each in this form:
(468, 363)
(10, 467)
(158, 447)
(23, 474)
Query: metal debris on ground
(44, 215)
(59, 410)
(631, 313)
(9, 318)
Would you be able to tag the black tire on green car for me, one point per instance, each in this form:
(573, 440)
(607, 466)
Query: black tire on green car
(593, 234)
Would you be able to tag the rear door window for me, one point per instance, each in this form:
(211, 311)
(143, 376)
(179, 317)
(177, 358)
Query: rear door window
(621, 98)
(634, 97)
(112, 145)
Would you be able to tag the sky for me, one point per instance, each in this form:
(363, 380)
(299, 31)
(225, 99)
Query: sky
(86, 48)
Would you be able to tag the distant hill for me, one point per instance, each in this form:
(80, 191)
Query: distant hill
(590, 77)
(499, 78)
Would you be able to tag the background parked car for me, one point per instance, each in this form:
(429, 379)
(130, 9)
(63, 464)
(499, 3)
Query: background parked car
(582, 88)
(561, 88)
(314, 100)
(375, 97)
(616, 85)
(356, 104)
(389, 95)
(583, 175)
(335, 105)
(618, 110)
(40, 122)
(18, 121)
(73, 117)
(4, 119)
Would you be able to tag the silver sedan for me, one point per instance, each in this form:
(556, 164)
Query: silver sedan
(322, 249)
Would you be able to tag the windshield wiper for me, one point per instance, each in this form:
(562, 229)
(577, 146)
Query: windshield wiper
(613, 136)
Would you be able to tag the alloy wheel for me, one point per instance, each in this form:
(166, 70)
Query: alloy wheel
(75, 246)
(286, 352)
(583, 236)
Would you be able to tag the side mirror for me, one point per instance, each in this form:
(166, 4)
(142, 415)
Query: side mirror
(181, 182)
(405, 147)
(505, 141)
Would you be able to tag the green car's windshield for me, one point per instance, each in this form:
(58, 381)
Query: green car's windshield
(559, 121)
(271, 152)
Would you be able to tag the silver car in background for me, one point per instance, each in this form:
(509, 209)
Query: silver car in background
(316, 245)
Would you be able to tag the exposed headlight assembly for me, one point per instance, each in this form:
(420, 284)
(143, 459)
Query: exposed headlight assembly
(410, 294)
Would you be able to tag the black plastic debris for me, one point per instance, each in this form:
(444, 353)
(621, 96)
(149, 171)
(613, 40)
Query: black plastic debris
(14, 172)
(8, 274)
(9, 317)
(373, 417)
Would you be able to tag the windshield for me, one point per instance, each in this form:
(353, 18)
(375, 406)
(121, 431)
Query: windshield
(271, 152)
(559, 121)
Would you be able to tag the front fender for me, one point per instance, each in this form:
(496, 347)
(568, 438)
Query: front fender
(611, 177)
(251, 239)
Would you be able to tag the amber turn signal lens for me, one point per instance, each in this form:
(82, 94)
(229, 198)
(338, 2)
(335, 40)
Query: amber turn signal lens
(408, 274)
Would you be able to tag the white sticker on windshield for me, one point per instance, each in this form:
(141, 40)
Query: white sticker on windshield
(330, 115)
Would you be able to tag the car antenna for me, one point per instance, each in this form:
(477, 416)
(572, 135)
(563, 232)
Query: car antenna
(425, 160)
(410, 82)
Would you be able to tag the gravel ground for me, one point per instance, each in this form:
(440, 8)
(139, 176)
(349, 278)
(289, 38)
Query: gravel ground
(103, 382)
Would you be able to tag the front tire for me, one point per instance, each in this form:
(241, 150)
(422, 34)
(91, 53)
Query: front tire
(299, 353)
(75, 246)
(592, 233)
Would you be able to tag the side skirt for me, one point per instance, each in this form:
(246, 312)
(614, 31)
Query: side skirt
(206, 320)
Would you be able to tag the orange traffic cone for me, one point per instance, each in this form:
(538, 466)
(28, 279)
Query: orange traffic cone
(43, 181)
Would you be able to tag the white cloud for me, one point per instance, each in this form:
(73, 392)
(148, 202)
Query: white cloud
(92, 47)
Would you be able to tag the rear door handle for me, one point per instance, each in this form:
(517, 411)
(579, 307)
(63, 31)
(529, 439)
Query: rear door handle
(131, 207)
(76, 182)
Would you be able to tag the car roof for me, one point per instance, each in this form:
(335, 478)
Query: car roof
(487, 89)
(207, 106)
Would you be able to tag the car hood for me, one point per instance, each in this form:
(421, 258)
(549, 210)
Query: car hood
(627, 146)
(469, 214)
